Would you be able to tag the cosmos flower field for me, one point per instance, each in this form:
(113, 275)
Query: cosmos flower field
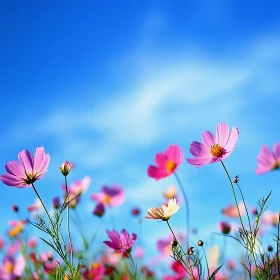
(52, 254)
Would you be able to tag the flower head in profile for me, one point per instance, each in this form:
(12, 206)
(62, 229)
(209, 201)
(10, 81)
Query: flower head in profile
(76, 189)
(268, 160)
(121, 242)
(17, 227)
(27, 170)
(65, 167)
(232, 211)
(163, 212)
(214, 149)
(110, 196)
(166, 163)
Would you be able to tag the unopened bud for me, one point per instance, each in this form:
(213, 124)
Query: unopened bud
(65, 167)
(236, 179)
(15, 208)
(190, 251)
(200, 243)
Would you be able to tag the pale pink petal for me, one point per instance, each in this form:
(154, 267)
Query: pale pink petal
(198, 161)
(19, 266)
(199, 150)
(14, 168)
(12, 181)
(276, 150)
(266, 157)
(26, 160)
(208, 138)
(222, 134)
(232, 139)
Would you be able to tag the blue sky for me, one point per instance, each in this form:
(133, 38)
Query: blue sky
(108, 84)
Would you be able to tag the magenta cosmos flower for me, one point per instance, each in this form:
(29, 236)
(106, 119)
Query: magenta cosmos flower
(122, 242)
(268, 160)
(166, 163)
(213, 149)
(27, 170)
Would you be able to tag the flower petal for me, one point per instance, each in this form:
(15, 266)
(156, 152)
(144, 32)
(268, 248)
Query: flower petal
(276, 150)
(208, 138)
(160, 160)
(12, 181)
(156, 173)
(26, 160)
(174, 153)
(199, 161)
(232, 139)
(199, 150)
(15, 168)
(222, 134)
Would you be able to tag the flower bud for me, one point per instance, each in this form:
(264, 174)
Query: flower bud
(224, 227)
(190, 251)
(15, 208)
(65, 167)
(56, 203)
(200, 243)
(236, 179)
(99, 210)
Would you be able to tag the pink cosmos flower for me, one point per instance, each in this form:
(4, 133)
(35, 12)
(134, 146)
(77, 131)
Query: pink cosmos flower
(213, 149)
(270, 218)
(12, 268)
(268, 160)
(27, 170)
(232, 212)
(110, 196)
(122, 242)
(167, 162)
(76, 189)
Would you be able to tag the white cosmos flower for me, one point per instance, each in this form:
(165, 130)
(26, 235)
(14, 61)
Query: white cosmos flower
(163, 212)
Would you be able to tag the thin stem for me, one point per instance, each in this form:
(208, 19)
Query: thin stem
(33, 186)
(243, 227)
(245, 206)
(277, 253)
(132, 262)
(208, 271)
(68, 223)
(189, 264)
(187, 206)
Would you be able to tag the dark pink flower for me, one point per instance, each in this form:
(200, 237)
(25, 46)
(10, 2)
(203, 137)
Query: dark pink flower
(268, 160)
(224, 227)
(122, 242)
(166, 163)
(214, 149)
(110, 196)
(27, 170)
(99, 210)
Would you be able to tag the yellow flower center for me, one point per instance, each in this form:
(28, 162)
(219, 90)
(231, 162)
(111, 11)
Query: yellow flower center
(216, 150)
(106, 199)
(9, 267)
(95, 265)
(16, 230)
(170, 166)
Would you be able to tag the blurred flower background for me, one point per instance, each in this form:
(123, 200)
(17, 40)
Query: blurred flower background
(108, 84)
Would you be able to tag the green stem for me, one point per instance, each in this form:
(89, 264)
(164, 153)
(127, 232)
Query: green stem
(187, 258)
(243, 227)
(33, 186)
(187, 206)
(208, 271)
(68, 222)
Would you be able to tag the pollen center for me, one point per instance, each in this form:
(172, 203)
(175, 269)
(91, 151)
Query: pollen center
(106, 199)
(170, 166)
(9, 267)
(216, 150)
